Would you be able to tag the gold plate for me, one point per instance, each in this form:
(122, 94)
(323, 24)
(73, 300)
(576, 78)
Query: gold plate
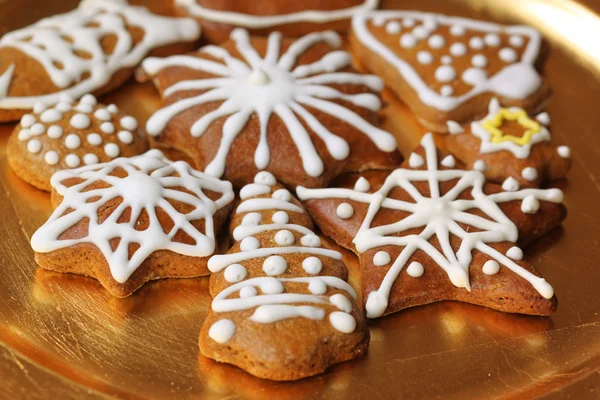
(65, 337)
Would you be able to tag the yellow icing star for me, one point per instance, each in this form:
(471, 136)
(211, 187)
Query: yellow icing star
(493, 125)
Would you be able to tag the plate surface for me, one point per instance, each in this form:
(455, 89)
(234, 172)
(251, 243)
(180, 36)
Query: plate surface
(64, 337)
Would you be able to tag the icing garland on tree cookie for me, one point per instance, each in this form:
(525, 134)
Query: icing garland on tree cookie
(439, 216)
(58, 42)
(150, 181)
(272, 85)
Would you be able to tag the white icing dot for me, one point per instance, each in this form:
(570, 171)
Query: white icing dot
(479, 61)
(508, 55)
(258, 77)
(516, 41)
(39, 107)
(529, 173)
(436, 41)
(415, 269)
(424, 57)
(37, 129)
(72, 141)
(94, 139)
(24, 134)
(51, 115)
(54, 132)
(492, 40)
(457, 30)
(445, 73)
(107, 127)
(408, 41)
(125, 137)
(265, 178)
(430, 24)
(274, 265)
(90, 158)
(362, 185)
(27, 120)
(491, 267)
(446, 59)
(63, 107)
(84, 108)
(543, 118)
(34, 146)
(72, 160)
(102, 114)
(476, 43)
(454, 128)
(449, 161)
(474, 76)
(415, 160)
(248, 291)
(480, 166)
(564, 151)
(129, 123)
(111, 150)
(510, 184)
(89, 99)
(408, 22)
(271, 286)
(282, 194)
(458, 49)
(51, 157)
(381, 258)
(235, 273)
(447, 90)
(310, 240)
(420, 32)
(515, 253)
(280, 217)
(312, 265)
(80, 121)
(113, 109)
(341, 302)
(249, 243)
(393, 27)
(378, 20)
(222, 330)
(317, 286)
(530, 204)
(252, 218)
(284, 238)
(344, 211)
(342, 321)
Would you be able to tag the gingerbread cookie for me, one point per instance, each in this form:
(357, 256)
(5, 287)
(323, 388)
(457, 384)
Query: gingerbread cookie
(432, 231)
(92, 49)
(510, 147)
(448, 68)
(294, 108)
(292, 19)
(132, 220)
(282, 307)
(69, 135)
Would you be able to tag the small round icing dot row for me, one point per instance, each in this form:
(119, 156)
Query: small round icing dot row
(37, 129)
(129, 123)
(72, 160)
(445, 73)
(436, 41)
(408, 41)
(252, 218)
(111, 150)
(94, 139)
(457, 30)
(446, 59)
(107, 127)
(282, 194)
(72, 141)
(393, 27)
(476, 43)
(280, 217)
(529, 173)
(317, 287)
(381, 258)
(27, 120)
(249, 243)
(112, 108)
(235, 273)
(102, 114)
(90, 159)
(34, 146)
(492, 40)
(458, 49)
(54, 132)
(424, 57)
(508, 55)
(510, 184)
(51, 157)
(516, 41)
(515, 253)
(344, 211)
(88, 99)
(362, 185)
(80, 121)
(265, 178)
(274, 265)
(125, 137)
(479, 61)
(312, 265)
(415, 160)
(284, 238)
(530, 205)
(222, 330)
(310, 240)
(415, 269)
(51, 115)
(491, 267)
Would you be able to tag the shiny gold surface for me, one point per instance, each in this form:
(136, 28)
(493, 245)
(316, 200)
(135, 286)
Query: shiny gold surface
(65, 337)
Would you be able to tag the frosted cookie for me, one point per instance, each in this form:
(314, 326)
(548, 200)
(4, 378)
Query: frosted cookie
(220, 17)
(132, 220)
(433, 231)
(294, 108)
(282, 307)
(92, 49)
(510, 147)
(69, 135)
(448, 68)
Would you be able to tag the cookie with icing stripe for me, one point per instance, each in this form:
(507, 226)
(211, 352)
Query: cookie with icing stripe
(282, 307)
(432, 231)
(510, 147)
(447, 68)
(293, 19)
(295, 108)
(69, 135)
(132, 220)
(92, 49)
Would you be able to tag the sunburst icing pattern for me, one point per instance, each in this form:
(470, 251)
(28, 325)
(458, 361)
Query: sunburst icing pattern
(269, 85)
(145, 183)
(440, 216)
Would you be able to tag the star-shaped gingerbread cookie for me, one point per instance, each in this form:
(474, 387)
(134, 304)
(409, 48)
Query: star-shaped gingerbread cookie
(510, 147)
(295, 108)
(432, 231)
(132, 220)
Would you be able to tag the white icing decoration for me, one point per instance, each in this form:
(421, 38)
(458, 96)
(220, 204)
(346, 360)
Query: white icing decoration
(516, 41)
(457, 30)
(107, 127)
(342, 321)
(408, 22)
(37, 129)
(64, 107)
(420, 32)
(72, 141)
(249, 243)
(341, 302)
(111, 150)
(49, 116)
(480, 166)
(445, 73)
(458, 49)
(479, 61)
(253, 190)
(454, 128)
(344, 211)
(381, 258)
(317, 286)
(54, 132)
(265, 178)
(415, 160)
(415, 269)
(274, 265)
(72, 160)
(280, 217)
(94, 139)
(84, 108)
(282, 194)
(222, 330)
(85, 26)
(289, 91)
(248, 291)
(149, 183)
(446, 59)
(529, 173)
(27, 120)
(491, 267)
(492, 40)
(515, 253)
(311, 240)
(252, 218)
(530, 205)
(24, 134)
(510, 184)
(51, 157)
(284, 238)
(564, 151)
(508, 55)
(438, 215)
(424, 57)
(129, 123)
(34, 146)
(476, 43)
(112, 108)
(449, 161)
(408, 41)
(102, 114)
(235, 273)
(125, 137)
(89, 159)
(362, 185)
(436, 41)
(312, 265)
(393, 27)
(543, 118)
(89, 99)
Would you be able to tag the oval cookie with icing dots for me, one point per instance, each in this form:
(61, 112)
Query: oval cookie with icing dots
(132, 220)
(91, 49)
(282, 307)
(69, 135)
(447, 68)
(295, 108)
(292, 19)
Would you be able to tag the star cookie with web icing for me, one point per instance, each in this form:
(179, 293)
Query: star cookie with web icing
(447, 68)
(91, 49)
(510, 147)
(295, 108)
(282, 307)
(132, 220)
(432, 231)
